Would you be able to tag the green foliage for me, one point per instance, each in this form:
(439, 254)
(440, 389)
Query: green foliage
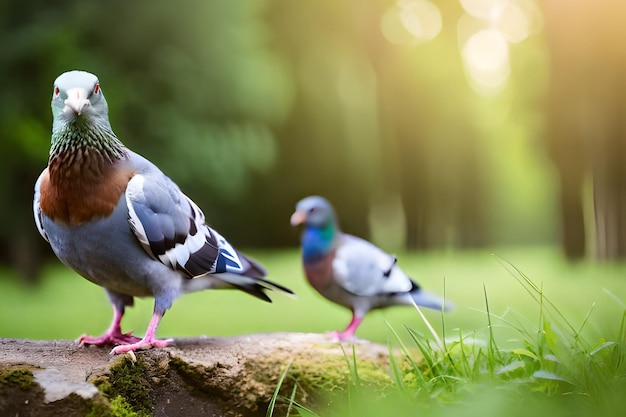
(251, 105)
(204, 87)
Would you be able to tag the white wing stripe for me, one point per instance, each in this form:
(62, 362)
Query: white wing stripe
(37, 209)
(135, 188)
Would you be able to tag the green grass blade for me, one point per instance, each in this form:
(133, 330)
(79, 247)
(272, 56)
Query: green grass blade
(405, 351)
(537, 294)
(272, 404)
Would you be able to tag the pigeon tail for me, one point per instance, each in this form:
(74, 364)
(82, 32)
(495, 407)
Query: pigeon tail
(254, 286)
(430, 300)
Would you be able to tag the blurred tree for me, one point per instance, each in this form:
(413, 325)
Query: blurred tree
(427, 118)
(35, 43)
(194, 86)
(252, 105)
(372, 119)
(191, 85)
(329, 145)
(586, 128)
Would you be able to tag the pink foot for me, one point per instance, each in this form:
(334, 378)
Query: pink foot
(149, 340)
(113, 335)
(347, 334)
(109, 338)
(341, 336)
(142, 344)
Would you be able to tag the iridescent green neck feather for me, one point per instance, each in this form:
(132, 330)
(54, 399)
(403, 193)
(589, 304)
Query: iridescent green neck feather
(88, 134)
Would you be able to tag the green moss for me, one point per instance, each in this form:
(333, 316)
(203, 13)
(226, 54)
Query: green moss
(121, 408)
(127, 388)
(335, 373)
(20, 377)
(319, 376)
(98, 407)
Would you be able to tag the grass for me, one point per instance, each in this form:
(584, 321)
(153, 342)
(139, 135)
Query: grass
(551, 345)
(65, 306)
(550, 369)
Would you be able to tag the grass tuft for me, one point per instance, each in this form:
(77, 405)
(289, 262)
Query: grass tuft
(550, 369)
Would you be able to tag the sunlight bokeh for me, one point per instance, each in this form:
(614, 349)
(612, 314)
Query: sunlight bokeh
(485, 32)
(411, 21)
(486, 58)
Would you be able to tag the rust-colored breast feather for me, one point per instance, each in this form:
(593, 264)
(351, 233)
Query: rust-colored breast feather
(74, 193)
(319, 273)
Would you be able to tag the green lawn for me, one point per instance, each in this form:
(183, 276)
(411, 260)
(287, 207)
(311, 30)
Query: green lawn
(552, 345)
(65, 305)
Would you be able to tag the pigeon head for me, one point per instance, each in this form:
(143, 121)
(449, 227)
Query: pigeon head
(77, 96)
(80, 116)
(320, 234)
(314, 211)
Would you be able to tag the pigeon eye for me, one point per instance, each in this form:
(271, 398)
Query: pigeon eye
(96, 89)
(56, 91)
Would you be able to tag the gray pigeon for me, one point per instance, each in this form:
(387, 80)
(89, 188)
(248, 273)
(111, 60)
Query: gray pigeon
(117, 220)
(351, 271)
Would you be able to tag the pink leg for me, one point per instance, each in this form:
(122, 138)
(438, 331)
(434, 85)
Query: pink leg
(348, 333)
(149, 340)
(113, 335)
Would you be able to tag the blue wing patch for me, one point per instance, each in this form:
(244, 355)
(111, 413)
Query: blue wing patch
(227, 259)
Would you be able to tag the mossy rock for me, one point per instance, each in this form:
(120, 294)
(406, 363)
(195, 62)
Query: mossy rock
(236, 376)
(21, 394)
(247, 372)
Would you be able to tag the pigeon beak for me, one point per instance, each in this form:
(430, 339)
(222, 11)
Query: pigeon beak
(77, 100)
(297, 218)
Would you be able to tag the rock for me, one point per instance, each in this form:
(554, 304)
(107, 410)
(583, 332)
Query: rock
(235, 376)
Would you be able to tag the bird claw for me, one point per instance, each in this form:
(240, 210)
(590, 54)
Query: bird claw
(132, 356)
(109, 338)
(140, 345)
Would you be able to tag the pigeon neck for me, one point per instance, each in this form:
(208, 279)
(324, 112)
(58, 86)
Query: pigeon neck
(87, 173)
(318, 241)
(87, 137)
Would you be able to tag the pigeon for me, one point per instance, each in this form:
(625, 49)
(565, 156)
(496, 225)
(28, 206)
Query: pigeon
(351, 271)
(117, 220)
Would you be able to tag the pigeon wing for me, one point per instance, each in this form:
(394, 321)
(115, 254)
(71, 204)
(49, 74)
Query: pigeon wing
(364, 269)
(171, 228)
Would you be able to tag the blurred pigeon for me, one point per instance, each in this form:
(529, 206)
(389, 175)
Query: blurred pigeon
(117, 220)
(351, 271)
